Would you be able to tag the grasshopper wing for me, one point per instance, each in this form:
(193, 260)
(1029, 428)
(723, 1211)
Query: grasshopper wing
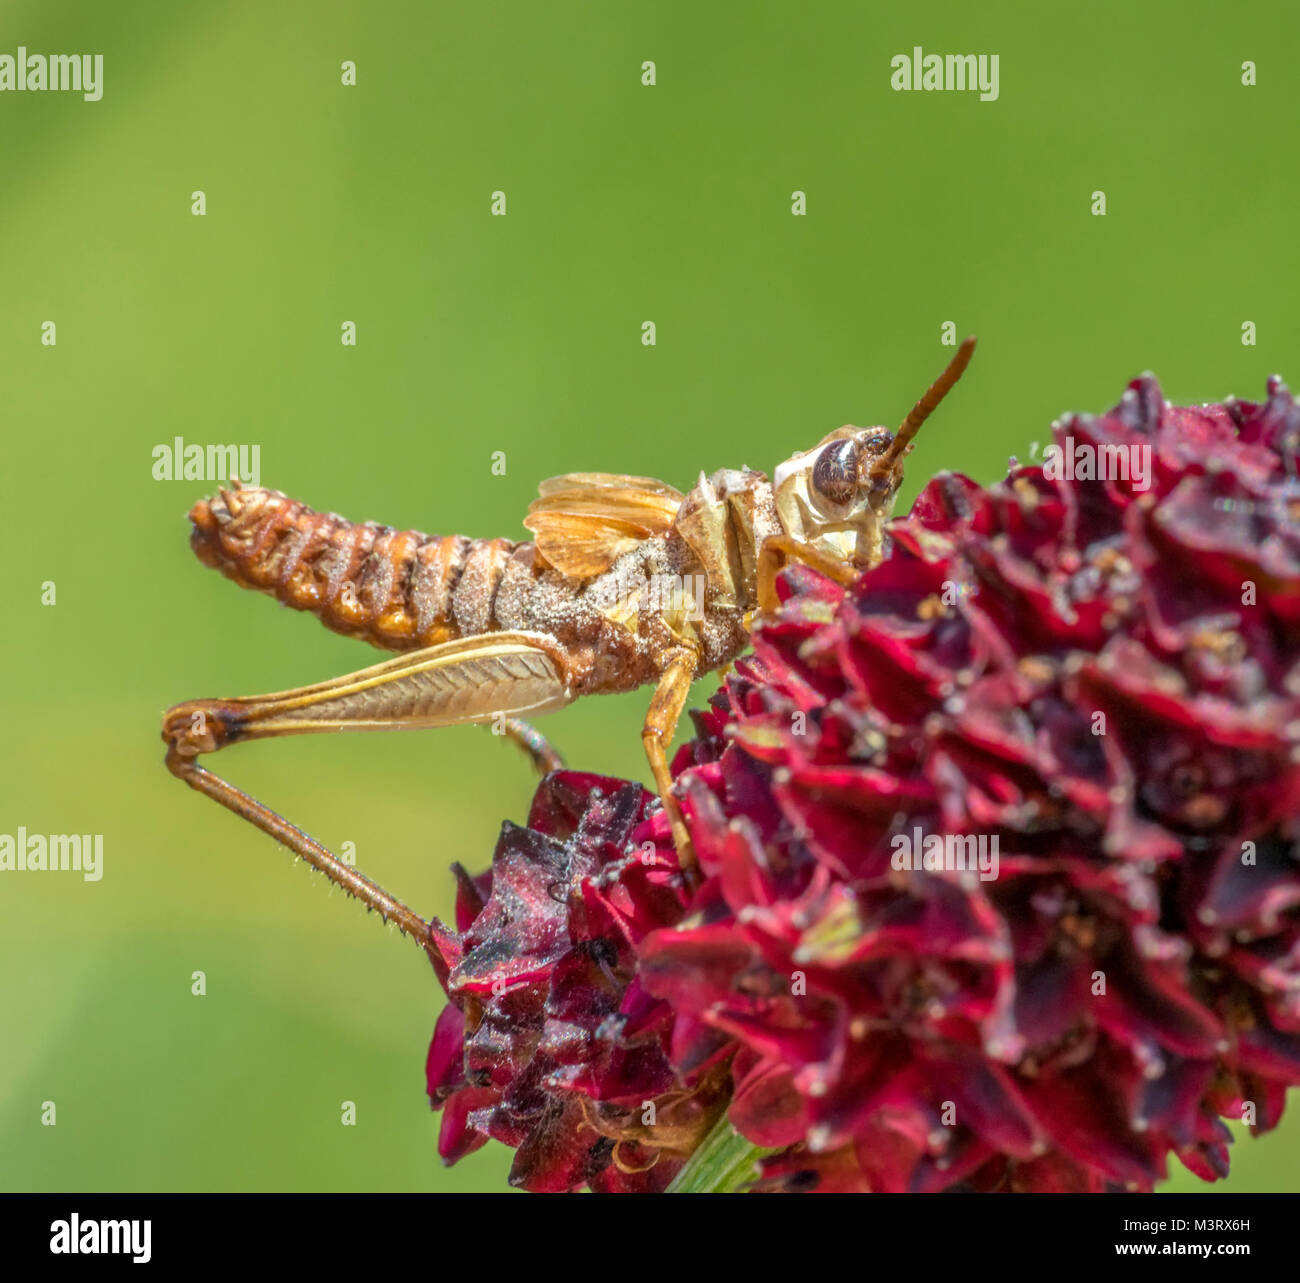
(585, 521)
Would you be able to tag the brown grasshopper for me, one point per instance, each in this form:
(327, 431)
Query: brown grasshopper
(627, 582)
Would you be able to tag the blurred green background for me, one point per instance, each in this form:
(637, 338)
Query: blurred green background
(476, 333)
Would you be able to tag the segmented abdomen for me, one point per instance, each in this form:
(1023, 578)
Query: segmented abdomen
(398, 589)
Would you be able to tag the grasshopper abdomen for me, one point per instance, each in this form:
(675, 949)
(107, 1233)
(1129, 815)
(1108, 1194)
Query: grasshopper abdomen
(397, 589)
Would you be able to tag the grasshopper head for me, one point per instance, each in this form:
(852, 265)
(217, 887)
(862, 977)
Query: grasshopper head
(829, 497)
(838, 495)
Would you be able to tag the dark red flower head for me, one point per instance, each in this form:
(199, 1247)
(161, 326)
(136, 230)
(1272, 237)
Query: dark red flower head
(1000, 855)
(550, 1043)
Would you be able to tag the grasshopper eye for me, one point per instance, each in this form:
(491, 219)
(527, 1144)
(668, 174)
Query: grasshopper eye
(835, 474)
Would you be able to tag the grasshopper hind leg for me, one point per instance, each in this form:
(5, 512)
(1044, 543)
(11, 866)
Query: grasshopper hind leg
(467, 680)
(303, 845)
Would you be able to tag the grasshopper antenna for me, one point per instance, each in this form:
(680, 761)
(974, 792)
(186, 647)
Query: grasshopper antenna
(922, 410)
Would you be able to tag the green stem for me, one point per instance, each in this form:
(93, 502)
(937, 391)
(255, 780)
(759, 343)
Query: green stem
(725, 1163)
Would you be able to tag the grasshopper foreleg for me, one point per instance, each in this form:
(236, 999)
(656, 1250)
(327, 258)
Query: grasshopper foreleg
(778, 550)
